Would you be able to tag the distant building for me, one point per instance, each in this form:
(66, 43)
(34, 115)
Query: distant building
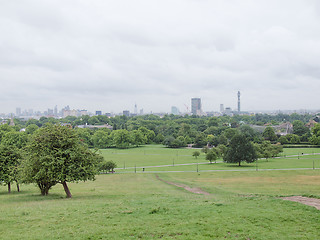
(66, 113)
(141, 111)
(196, 106)
(126, 113)
(175, 110)
(55, 112)
(135, 109)
(18, 112)
(50, 112)
(221, 108)
(83, 112)
(98, 113)
(228, 111)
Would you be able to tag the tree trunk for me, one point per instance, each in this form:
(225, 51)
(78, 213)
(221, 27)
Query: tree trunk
(9, 187)
(18, 187)
(66, 189)
(239, 163)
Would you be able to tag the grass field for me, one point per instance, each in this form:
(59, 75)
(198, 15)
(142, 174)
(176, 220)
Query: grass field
(241, 205)
(155, 158)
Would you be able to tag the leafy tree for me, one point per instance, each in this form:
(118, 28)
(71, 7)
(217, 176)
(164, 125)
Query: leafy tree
(214, 122)
(230, 132)
(283, 140)
(107, 166)
(299, 128)
(10, 158)
(168, 141)
(269, 134)
(315, 138)
(55, 154)
(30, 129)
(200, 140)
(138, 138)
(250, 133)
(171, 142)
(196, 154)
(149, 135)
(211, 156)
(212, 140)
(222, 150)
(11, 149)
(5, 128)
(100, 139)
(159, 138)
(240, 149)
(121, 138)
(293, 138)
(205, 149)
(223, 140)
(86, 136)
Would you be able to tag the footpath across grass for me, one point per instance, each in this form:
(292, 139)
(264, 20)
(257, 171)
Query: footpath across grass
(241, 205)
(155, 158)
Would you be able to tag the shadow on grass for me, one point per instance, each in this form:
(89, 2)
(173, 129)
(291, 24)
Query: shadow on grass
(31, 196)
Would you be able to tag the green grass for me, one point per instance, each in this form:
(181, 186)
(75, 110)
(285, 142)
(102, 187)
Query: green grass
(138, 206)
(148, 157)
(241, 204)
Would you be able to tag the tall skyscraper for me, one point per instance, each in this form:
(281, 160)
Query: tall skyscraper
(135, 109)
(196, 106)
(221, 108)
(55, 111)
(238, 101)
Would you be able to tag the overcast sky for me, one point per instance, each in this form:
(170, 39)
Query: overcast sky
(108, 55)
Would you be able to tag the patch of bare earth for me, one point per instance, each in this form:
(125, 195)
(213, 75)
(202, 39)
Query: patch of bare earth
(314, 202)
(190, 189)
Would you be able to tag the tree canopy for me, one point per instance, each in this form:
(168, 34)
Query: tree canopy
(240, 149)
(55, 154)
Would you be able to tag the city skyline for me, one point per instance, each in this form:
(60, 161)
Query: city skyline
(111, 55)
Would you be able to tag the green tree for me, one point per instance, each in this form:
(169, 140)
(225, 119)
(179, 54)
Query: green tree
(86, 135)
(240, 149)
(100, 139)
(10, 157)
(222, 150)
(138, 138)
(200, 140)
(55, 154)
(315, 138)
(299, 128)
(121, 138)
(107, 166)
(30, 129)
(211, 156)
(196, 154)
(269, 134)
(11, 151)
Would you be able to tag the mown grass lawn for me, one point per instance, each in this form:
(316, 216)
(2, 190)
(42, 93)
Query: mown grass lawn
(241, 205)
(158, 158)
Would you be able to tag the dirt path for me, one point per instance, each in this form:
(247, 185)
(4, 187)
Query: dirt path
(190, 189)
(314, 202)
